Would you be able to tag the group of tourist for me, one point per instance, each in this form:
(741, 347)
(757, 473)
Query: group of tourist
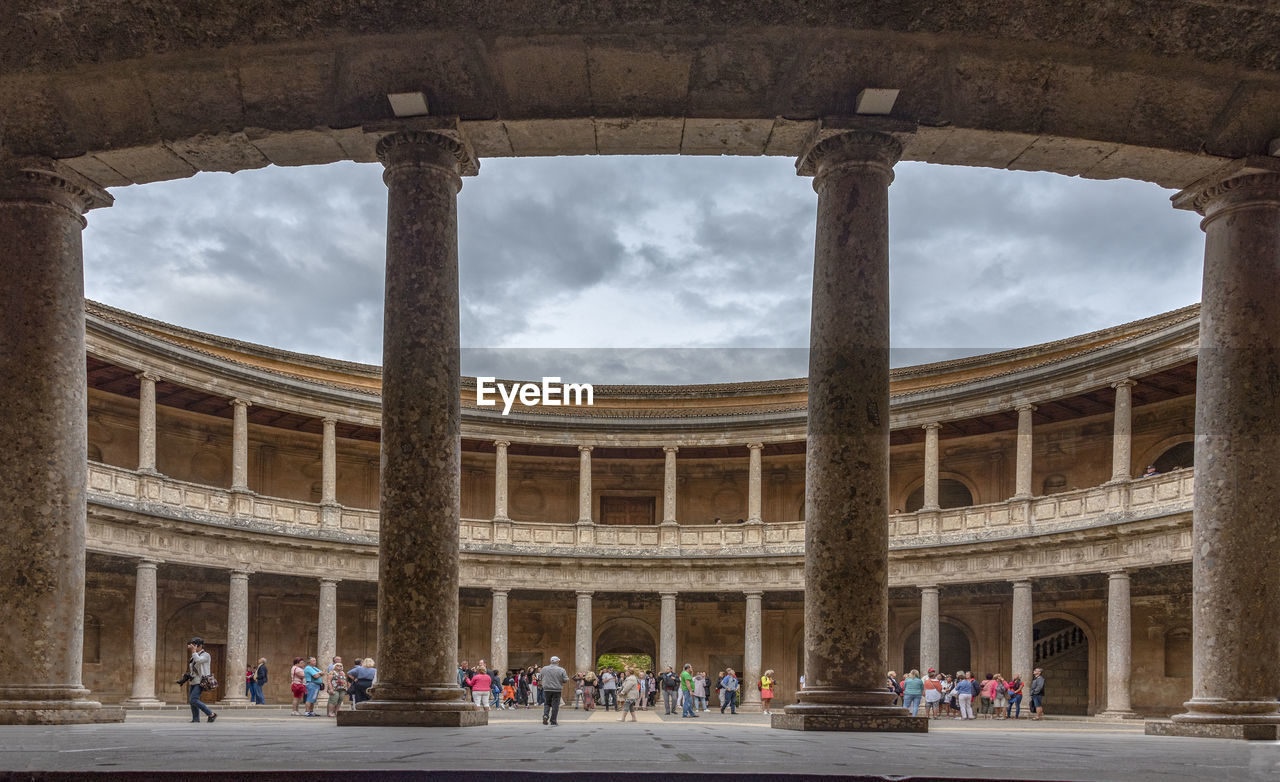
(308, 681)
(608, 687)
(946, 696)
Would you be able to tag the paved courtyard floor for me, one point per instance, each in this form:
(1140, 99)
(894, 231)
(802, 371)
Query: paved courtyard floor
(515, 745)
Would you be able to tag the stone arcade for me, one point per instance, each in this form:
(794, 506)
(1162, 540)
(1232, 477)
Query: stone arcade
(250, 493)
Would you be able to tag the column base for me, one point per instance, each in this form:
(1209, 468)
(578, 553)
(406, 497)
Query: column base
(751, 708)
(863, 723)
(669, 523)
(1118, 715)
(1252, 731)
(137, 704)
(234, 701)
(585, 523)
(55, 712)
(414, 714)
(330, 515)
(862, 711)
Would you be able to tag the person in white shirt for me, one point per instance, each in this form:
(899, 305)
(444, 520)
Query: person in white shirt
(198, 669)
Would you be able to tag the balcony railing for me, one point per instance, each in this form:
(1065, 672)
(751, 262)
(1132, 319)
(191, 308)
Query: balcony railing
(1077, 509)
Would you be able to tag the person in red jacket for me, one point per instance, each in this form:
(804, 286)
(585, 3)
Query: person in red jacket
(481, 686)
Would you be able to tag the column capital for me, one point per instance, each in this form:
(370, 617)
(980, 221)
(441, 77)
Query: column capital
(586, 448)
(1235, 184)
(431, 141)
(1125, 382)
(147, 374)
(1021, 583)
(750, 593)
(934, 588)
(755, 446)
(668, 595)
(670, 448)
(147, 563)
(1026, 407)
(240, 574)
(501, 443)
(240, 403)
(581, 593)
(1117, 574)
(866, 146)
(46, 181)
(329, 421)
(500, 591)
(931, 426)
(329, 581)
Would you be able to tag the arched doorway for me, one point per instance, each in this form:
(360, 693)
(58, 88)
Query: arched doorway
(951, 494)
(1061, 648)
(1177, 457)
(954, 650)
(625, 635)
(207, 620)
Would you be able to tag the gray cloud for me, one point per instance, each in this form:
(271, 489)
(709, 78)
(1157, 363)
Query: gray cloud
(590, 267)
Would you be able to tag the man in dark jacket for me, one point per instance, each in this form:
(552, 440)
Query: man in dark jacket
(259, 681)
(1037, 693)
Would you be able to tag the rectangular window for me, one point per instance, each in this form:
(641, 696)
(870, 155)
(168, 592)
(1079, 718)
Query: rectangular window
(634, 511)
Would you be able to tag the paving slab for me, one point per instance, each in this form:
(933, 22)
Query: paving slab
(593, 745)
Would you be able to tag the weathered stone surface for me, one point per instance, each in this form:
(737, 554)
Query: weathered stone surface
(1214, 730)
(862, 723)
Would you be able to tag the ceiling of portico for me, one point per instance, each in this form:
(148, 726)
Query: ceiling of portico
(160, 89)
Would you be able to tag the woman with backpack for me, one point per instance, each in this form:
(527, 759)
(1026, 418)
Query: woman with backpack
(1015, 698)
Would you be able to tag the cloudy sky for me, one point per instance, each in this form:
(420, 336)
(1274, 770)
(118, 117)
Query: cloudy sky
(643, 269)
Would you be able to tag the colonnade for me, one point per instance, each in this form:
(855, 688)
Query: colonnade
(42, 421)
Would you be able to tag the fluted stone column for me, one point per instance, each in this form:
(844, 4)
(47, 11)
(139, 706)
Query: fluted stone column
(1119, 628)
(667, 631)
(669, 485)
(498, 632)
(239, 445)
(144, 637)
(329, 509)
(931, 465)
(421, 441)
(500, 486)
(584, 484)
(1235, 604)
(1023, 656)
(754, 483)
(582, 633)
(237, 639)
(1026, 442)
(1122, 434)
(930, 629)
(147, 422)
(752, 652)
(43, 442)
(327, 622)
(846, 594)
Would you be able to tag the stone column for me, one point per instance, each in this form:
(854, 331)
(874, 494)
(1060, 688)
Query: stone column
(930, 629)
(1023, 656)
(421, 441)
(1022, 472)
(239, 445)
(43, 431)
(144, 637)
(582, 634)
(237, 639)
(667, 631)
(754, 483)
(498, 632)
(584, 484)
(1122, 436)
(669, 485)
(147, 422)
(327, 622)
(500, 480)
(931, 465)
(846, 596)
(329, 509)
(751, 653)
(1118, 647)
(1235, 585)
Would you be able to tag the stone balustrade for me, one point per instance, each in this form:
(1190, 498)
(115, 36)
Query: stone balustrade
(164, 497)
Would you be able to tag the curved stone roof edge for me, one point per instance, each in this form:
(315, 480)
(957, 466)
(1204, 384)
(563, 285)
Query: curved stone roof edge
(1085, 343)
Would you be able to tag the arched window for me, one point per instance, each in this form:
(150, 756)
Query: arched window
(951, 494)
(1179, 456)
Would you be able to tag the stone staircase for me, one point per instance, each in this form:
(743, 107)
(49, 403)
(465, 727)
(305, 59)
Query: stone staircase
(1064, 656)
